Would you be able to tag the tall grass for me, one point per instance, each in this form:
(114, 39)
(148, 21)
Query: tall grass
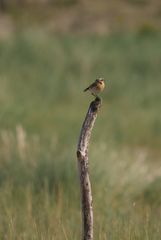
(40, 195)
(42, 107)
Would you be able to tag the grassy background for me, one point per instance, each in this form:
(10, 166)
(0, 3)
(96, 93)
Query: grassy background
(42, 76)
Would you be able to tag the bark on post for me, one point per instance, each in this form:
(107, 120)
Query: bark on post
(82, 156)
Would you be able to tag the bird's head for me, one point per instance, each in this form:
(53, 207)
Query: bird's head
(100, 80)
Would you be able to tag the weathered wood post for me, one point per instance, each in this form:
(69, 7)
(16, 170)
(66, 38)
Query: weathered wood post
(82, 156)
(3, 5)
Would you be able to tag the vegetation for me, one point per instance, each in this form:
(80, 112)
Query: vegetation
(42, 78)
(79, 16)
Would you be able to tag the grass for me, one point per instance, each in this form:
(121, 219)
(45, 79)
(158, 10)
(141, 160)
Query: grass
(42, 108)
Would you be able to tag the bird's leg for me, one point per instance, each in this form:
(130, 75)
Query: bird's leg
(98, 98)
(94, 94)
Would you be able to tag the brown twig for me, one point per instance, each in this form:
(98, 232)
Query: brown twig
(82, 156)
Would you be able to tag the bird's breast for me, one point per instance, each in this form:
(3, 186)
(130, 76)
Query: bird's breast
(101, 86)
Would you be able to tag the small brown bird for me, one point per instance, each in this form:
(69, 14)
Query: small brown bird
(96, 87)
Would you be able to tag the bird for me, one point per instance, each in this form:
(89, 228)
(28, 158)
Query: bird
(96, 87)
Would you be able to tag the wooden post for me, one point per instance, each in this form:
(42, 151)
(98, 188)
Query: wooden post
(82, 156)
(3, 5)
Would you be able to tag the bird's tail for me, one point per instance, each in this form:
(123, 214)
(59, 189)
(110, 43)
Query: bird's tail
(86, 89)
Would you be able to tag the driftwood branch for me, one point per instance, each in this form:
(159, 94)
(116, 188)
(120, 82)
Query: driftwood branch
(82, 156)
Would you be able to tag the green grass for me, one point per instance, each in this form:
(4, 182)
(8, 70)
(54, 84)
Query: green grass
(42, 108)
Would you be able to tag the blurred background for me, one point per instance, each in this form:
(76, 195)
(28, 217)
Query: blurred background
(50, 50)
